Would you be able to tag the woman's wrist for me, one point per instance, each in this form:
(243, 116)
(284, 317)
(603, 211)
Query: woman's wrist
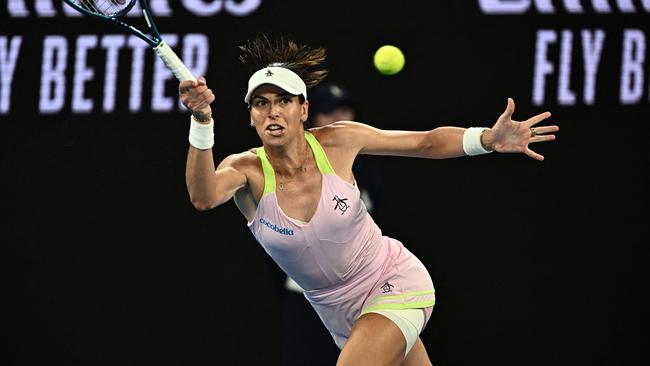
(201, 133)
(486, 139)
(202, 117)
(473, 143)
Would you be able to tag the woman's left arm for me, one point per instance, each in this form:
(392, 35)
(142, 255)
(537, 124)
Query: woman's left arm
(507, 135)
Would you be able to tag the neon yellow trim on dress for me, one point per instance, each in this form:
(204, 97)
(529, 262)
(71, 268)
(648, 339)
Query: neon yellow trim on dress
(410, 294)
(407, 305)
(321, 159)
(373, 305)
(269, 174)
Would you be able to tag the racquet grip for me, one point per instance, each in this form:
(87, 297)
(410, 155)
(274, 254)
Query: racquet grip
(174, 63)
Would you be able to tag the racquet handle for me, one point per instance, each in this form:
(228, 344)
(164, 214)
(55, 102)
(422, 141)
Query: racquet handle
(174, 63)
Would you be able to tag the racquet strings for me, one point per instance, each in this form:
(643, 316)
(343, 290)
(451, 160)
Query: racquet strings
(107, 8)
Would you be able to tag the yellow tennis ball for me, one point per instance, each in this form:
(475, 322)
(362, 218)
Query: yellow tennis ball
(389, 60)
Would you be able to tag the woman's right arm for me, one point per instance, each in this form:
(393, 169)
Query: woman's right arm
(208, 187)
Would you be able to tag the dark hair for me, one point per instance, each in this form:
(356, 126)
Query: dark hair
(280, 50)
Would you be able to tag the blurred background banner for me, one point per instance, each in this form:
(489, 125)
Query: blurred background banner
(534, 263)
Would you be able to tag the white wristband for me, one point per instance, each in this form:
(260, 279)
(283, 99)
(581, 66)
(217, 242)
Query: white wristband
(201, 135)
(472, 141)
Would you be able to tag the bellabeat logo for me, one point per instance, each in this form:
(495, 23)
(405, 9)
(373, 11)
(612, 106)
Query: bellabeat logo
(276, 228)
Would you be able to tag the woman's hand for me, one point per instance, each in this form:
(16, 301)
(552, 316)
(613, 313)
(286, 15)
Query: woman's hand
(196, 96)
(508, 135)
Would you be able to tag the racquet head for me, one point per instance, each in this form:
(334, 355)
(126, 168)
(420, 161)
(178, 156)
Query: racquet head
(103, 8)
(113, 10)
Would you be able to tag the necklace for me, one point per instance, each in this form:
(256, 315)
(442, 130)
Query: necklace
(282, 184)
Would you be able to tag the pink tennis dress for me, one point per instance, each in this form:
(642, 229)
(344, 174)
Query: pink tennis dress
(340, 257)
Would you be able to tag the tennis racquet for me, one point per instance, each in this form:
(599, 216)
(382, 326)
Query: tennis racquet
(114, 10)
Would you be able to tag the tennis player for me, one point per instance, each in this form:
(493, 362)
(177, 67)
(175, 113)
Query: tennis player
(301, 202)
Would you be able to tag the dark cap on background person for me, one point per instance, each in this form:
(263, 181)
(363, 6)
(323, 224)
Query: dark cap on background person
(325, 98)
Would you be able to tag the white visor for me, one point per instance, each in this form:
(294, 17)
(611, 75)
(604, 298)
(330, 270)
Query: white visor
(281, 77)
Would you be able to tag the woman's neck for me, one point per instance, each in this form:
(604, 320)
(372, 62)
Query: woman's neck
(290, 159)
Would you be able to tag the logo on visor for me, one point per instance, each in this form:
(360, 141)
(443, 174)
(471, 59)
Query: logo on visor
(269, 73)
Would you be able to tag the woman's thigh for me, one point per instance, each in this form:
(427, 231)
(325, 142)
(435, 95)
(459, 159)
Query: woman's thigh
(374, 340)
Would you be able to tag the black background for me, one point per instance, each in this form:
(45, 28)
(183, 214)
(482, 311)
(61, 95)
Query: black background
(534, 263)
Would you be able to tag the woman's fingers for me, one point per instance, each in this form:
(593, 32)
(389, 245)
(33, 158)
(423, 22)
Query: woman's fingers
(538, 118)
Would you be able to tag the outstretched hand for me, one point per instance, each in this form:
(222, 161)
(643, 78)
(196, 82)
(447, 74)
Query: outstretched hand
(196, 96)
(509, 135)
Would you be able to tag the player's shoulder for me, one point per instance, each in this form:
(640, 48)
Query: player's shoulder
(242, 160)
(337, 132)
(340, 133)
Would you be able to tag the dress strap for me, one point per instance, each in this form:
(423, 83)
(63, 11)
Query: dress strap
(321, 159)
(269, 174)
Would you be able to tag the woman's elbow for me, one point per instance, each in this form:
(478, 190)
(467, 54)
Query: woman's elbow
(203, 203)
(200, 205)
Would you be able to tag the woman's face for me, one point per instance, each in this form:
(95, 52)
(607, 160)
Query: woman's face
(277, 115)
